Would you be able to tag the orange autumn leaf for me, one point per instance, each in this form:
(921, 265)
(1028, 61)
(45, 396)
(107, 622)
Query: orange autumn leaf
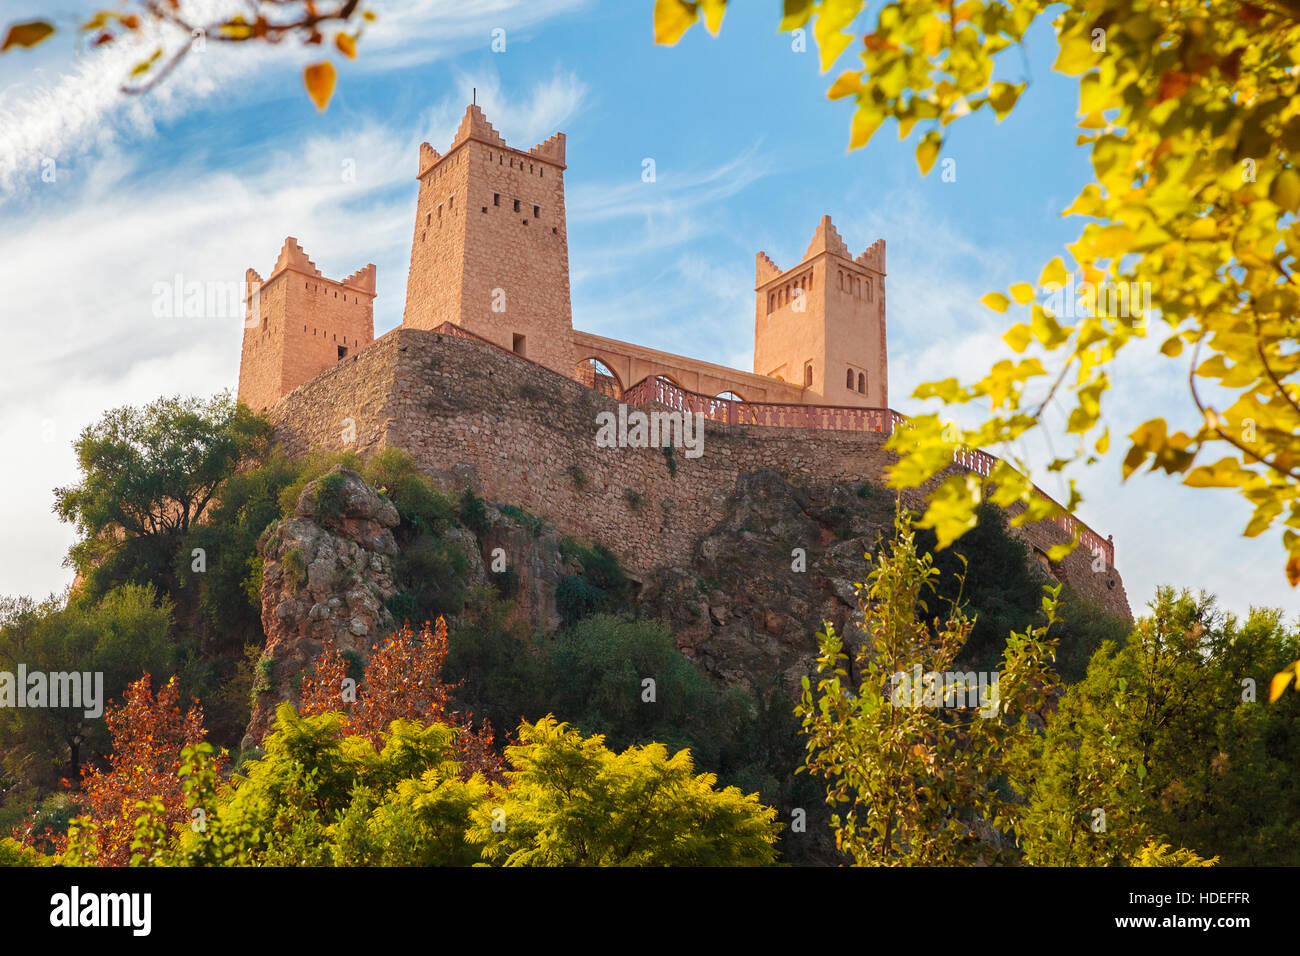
(1173, 83)
(26, 34)
(319, 78)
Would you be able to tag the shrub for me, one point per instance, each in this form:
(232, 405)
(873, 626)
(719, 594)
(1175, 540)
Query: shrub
(576, 598)
(473, 513)
(421, 505)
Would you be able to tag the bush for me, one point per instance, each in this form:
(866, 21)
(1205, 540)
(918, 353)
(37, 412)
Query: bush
(473, 513)
(431, 573)
(576, 598)
(529, 521)
(422, 506)
(314, 466)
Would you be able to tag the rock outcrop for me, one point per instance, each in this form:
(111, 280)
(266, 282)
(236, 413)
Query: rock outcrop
(782, 561)
(326, 575)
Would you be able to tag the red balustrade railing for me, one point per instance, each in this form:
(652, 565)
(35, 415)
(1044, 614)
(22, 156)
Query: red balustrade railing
(662, 391)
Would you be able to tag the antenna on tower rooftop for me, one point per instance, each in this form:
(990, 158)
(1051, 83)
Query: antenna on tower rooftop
(475, 94)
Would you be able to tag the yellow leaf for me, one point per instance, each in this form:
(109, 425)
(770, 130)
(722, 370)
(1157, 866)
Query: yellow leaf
(996, 301)
(1018, 336)
(1076, 55)
(1173, 346)
(1279, 684)
(347, 45)
(319, 78)
(1022, 292)
(672, 19)
(927, 151)
(846, 84)
(713, 11)
(1054, 273)
(1285, 190)
(144, 65)
(866, 121)
(932, 42)
(1058, 552)
(1293, 570)
(830, 46)
(26, 34)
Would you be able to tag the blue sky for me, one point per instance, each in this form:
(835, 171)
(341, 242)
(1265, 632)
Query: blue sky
(206, 176)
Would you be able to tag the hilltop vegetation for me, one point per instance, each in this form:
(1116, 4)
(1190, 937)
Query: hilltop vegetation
(1153, 727)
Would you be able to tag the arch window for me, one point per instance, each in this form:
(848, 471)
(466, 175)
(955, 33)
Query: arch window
(862, 383)
(594, 373)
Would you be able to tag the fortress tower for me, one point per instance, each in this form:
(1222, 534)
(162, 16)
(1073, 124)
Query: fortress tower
(490, 251)
(297, 323)
(821, 324)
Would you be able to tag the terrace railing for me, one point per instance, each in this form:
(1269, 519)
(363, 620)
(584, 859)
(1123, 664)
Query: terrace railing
(662, 391)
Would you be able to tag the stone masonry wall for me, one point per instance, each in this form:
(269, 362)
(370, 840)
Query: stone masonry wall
(527, 436)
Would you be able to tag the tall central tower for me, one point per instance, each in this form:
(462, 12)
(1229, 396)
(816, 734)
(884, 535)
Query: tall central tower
(490, 251)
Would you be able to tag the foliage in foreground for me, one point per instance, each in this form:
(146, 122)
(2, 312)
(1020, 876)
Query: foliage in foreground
(319, 797)
(917, 779)
(1168, 740)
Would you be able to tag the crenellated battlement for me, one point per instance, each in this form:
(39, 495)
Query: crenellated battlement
(765, 270)
(826, 238)
(551, 150)
(873, 257)
(474, 125)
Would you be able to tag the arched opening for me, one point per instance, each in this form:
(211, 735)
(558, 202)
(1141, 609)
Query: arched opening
(862, 383)
(730, 396)
(807, 375)
(848, 381)
(594, 373)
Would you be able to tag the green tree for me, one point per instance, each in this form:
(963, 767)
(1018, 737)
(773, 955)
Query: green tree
(122, 636)
(319, 798)
(1165, 740)
(147, 476)
(915, 774)
(572, 802)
